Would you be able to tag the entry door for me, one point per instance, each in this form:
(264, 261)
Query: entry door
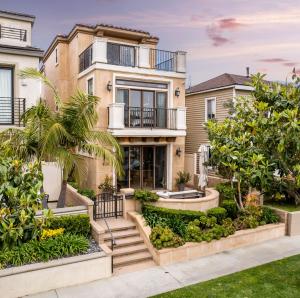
(6, 96)
(148, 167)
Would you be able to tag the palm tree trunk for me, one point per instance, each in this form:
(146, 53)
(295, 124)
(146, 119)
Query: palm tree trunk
(62, 195)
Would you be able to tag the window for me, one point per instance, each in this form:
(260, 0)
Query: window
(90, 86)
(118, 54)
(56, 56)
(210, 108)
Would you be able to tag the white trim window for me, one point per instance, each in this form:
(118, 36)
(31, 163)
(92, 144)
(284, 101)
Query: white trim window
(210, 108)
(90, 86)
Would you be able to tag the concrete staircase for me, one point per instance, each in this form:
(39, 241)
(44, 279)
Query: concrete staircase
(130, 252)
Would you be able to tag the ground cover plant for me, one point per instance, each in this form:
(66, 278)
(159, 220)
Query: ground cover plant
(277, 279)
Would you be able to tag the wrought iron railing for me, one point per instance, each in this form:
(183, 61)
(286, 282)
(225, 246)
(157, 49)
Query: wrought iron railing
(11, 111)
(136, 117)
(119, 54)
(163, 60)
(13, 33)
(86, 58)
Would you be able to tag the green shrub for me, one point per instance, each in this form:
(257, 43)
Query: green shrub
(184, 215)
(193, 232)
(73, 184)
(231, 208)
(226, 191)
(269, 215)
(218, 212)
(107, 185)
(163, 237)
(145, 196)
(229, 227)
(73, 224)
(183, 177)
(42, 251)
(206, 222)
(90, 193)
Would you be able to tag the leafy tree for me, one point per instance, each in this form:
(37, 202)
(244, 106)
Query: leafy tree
(59, 136)
(259, 145)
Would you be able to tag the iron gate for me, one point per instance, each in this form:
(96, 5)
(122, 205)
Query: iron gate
(108, 205)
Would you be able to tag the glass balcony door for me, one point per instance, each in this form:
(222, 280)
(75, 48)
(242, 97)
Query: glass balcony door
(6, 96)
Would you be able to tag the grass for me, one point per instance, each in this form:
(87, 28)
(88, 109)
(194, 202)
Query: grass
(284, 206)
(277, 279)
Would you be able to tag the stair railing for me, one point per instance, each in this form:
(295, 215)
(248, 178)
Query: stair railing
(113, 243)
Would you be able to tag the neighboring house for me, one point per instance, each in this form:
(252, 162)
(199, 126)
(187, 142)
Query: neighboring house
(16, 53)
(142, 93)
(208, 100)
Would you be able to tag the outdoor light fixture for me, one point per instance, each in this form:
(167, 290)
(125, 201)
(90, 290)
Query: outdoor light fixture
(177, 92)
(109, 86)
(178, 151)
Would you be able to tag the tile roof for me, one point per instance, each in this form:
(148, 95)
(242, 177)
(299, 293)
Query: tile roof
(223, 80)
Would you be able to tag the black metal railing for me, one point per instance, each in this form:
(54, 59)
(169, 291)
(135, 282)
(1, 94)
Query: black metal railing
(86, 58)
(13, 33)
(11, 111)
(163, 60)
(107, 204)
(119, 54)
(136, 117)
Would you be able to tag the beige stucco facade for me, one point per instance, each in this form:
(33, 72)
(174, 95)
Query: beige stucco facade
(61, 66)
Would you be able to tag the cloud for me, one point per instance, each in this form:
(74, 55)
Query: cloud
(273, 60)
(215, 35)
(290, 64)
(229, 24)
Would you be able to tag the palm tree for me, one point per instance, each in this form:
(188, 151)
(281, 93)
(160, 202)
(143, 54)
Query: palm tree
(59, 136)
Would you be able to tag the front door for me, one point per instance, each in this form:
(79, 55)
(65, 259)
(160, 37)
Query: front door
(6, 96)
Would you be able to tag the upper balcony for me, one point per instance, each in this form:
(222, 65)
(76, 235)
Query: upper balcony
(135, 56)
(138, 121)
(13, 33)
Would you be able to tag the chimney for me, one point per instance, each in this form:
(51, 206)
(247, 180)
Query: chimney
(248, 72)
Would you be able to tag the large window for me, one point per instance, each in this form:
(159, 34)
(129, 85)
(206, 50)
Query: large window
(6, 96)
(144, 167)
(119, 54)
(210, 108)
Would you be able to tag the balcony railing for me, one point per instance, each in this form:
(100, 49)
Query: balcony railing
(120, 117)
(11, 111)
(86, 58)
(139, 56)
(13, 33)
(136, 117)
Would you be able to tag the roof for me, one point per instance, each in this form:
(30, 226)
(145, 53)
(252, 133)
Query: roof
(224, 80)
(17, 15)
(26, 51)
(117, 30)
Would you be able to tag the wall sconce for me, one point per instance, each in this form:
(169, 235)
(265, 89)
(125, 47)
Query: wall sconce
(178, 152)
(177, 92)
(109, 86)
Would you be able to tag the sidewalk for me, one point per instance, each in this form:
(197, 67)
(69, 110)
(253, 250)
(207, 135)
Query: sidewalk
(158, 279)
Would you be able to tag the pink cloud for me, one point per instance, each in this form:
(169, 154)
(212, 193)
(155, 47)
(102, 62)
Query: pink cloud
(229, 24)
(215, 35)
(273, 60)
(290, 64)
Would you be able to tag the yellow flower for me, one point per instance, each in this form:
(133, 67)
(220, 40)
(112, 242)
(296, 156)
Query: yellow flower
(49, 233)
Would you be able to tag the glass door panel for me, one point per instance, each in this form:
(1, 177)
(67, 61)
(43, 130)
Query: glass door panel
(6, 96)
(124, 181)
(123, 97)
(161, 111)
(135, 108)
(148, 108)
(148, 170)
(160, 167)
(135, 167)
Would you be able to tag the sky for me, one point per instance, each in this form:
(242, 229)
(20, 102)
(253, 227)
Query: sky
(219, 35)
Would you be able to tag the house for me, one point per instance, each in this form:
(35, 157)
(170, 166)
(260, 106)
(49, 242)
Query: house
(142, 93)
(207, 100)
(16, 53)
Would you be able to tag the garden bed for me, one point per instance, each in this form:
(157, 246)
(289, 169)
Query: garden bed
(192, 250)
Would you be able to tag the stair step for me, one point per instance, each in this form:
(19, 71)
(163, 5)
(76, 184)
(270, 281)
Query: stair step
(134, 267)
(122, 234)
(125, 242)
(128, 250)
(131, 259)
(127, 226)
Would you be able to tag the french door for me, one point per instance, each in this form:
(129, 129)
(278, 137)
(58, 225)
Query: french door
(144, 167)
(6, 96)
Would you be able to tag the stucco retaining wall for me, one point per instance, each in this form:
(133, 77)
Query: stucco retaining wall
(73, 198)
(211, 200)
(292, 220)
(193, 250)
(40, 277)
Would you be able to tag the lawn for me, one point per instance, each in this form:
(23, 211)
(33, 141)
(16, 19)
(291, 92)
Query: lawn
(276, 279)
(284, 206)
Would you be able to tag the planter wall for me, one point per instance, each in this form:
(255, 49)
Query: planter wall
(211, 200)
(193, 250)
(292, 220)
(40, 277)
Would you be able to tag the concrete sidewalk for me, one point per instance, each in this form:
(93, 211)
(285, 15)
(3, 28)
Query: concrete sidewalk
(162, 279)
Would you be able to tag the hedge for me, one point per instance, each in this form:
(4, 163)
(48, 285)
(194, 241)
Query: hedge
(73, 224)
(42, 251)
